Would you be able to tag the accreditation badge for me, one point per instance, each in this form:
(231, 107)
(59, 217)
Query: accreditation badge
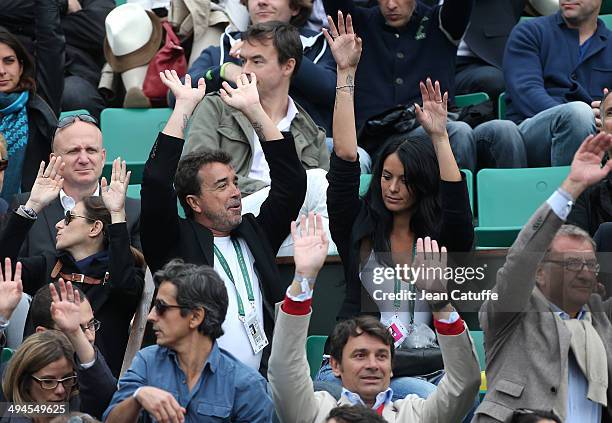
(254, 330)
(397, 330)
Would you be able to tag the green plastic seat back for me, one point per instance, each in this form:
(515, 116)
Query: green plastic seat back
(7, 353)
(478, 337)
(314, 353)
(131, 133)
(508, 197)
(134, 191)
(501, 106)
(471, 99)
(607, 19)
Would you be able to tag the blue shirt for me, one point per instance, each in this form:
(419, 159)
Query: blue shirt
(383, 397)
(580, 409)
(227, 390)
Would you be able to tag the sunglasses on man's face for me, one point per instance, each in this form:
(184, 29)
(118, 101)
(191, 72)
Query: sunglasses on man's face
(161, 307)
(69, 120)
(69, 217)
(3, 165)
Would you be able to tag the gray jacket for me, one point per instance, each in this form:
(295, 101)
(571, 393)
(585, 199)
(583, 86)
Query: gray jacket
(217, 126)
(526, 344)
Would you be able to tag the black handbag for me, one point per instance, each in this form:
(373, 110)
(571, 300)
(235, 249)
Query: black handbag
(413, 362)
(376, 130)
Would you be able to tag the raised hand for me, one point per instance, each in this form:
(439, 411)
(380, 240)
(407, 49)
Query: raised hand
(183, 92)
(48, 183)
(309, 245)
(11, 289)
(66, 307)
(343, 42)
(113, 194)
(430, 256)
(235, 50)
(586, 167)
(432, 116)
(245, 96)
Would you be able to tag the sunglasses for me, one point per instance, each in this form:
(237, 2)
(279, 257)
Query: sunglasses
(69, 217)
(67, 382)
(3, 165)
(161, 307)
(69, 120)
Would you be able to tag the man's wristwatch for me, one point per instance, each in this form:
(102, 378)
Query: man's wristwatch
(28, 212)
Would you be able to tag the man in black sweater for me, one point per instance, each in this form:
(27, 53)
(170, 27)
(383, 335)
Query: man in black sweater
(241, 248)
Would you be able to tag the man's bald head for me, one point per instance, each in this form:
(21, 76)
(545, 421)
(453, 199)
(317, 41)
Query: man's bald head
(81, 148)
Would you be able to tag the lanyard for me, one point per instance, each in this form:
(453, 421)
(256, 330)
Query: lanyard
(245, 275)
(397, 287)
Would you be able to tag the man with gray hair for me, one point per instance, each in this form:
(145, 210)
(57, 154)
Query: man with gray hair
(186, 376)
(548, 338)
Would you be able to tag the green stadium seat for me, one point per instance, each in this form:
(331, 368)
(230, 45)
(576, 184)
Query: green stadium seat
(471, 99)
(73, 112)
(508, 197)
(134, 191)
(365, 179)
(7, 353)
(130, 133)
(314, 353)
(501, 106)
(120, 2)
(478, 337)
(607, 19)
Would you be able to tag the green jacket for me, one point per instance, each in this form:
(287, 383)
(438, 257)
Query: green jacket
(217, 126)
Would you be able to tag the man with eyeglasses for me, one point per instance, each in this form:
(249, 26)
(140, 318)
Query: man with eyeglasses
(187, 377)
(65, 308)
(548, 337)
(78, 140)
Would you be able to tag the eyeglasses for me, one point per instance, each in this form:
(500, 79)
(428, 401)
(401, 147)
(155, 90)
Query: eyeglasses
(69, 120)
(67, 382)
(161, 307)
(93, 325)
(576, 265)
(69, 217)
(3, 165)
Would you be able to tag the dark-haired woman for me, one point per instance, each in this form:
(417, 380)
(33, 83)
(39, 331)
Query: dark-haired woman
(30, 97)
(93, 252)
(416, 191)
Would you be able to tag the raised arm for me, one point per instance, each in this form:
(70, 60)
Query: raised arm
(159, 219)
(516, 279)
(346, 49)
(288, 371)
(432, 117)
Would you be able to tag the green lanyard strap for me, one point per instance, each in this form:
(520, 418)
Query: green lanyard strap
(397, 289)
(243, 270)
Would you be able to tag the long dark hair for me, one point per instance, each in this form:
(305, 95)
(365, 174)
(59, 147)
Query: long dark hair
(95, 209)
(28, 76)
(422, 175)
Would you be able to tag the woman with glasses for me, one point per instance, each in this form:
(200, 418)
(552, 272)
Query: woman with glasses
(30, 97)
(93, 252)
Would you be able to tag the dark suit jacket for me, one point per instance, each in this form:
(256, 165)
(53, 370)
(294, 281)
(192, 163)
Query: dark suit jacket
(490, 25)
(41, 238)
(166, 236)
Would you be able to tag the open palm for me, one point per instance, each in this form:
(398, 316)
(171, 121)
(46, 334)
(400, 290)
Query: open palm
(586, 167)
(245, 96)
(432, 116)
(309, 244)
(65, 310)
(430, 256)
(183, 91)
(344, 43)
(113, 194)
(11, 288)
(48, 183)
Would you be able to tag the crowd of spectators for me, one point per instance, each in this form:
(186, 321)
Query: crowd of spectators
(277, 111)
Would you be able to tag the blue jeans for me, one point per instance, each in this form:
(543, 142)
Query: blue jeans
(553, 136)
(402, 386)
(365, 161)
(462, 143)
(500, 145)
(474, 75)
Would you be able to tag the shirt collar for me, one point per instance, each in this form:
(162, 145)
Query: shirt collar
(292, 111)
(68, 202)
(383, 397)
(212, 362)
(564, 316)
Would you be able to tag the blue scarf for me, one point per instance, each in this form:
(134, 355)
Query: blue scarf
(14, 127)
